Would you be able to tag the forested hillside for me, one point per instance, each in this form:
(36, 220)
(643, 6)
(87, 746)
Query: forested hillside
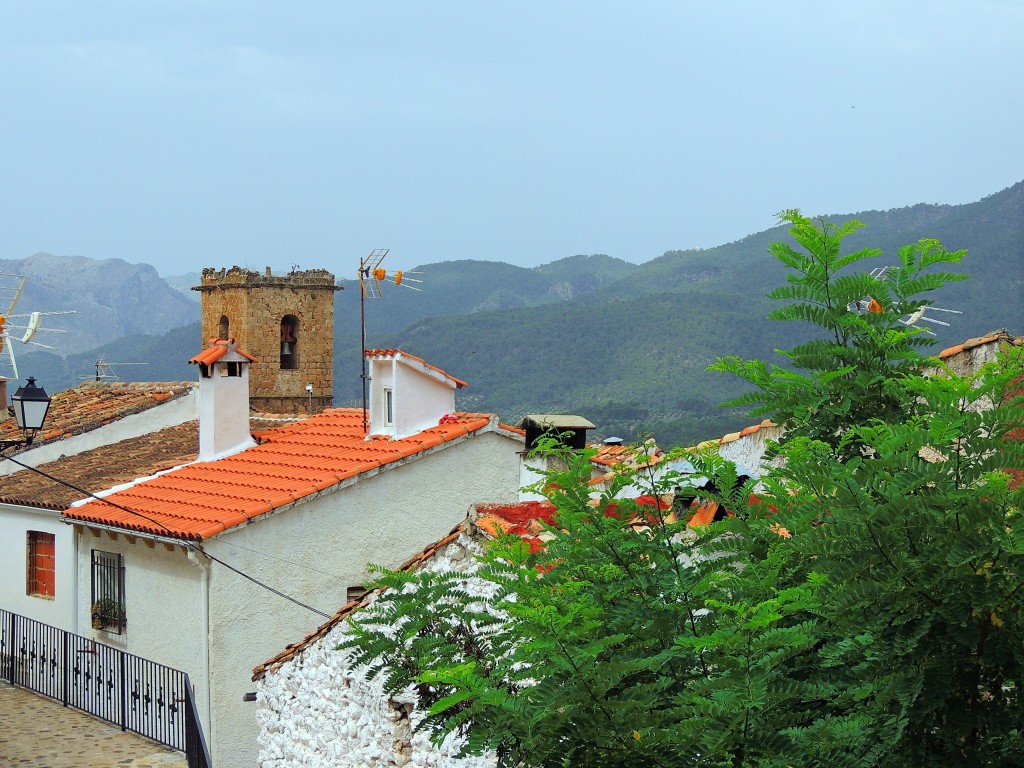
(625, 345)
(631, 355)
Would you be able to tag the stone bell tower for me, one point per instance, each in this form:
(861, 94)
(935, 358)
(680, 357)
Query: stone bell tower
(286, 322)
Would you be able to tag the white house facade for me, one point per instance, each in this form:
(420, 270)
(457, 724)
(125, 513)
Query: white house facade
(39, 553)
(302, 509)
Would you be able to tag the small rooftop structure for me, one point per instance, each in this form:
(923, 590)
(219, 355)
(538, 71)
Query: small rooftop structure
(570, 431)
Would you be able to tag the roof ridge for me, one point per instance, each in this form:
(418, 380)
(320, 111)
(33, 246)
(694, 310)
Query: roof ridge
(291, 462)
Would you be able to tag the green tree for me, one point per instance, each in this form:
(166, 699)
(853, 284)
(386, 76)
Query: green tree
(863, 609)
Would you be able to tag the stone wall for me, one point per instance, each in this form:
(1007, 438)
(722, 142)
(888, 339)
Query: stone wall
(316, 711)
(254, 305)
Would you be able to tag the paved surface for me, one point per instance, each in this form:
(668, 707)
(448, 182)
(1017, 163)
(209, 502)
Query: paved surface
(37, 732)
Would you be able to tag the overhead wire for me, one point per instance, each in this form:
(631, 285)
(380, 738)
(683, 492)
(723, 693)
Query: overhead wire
(195, 546)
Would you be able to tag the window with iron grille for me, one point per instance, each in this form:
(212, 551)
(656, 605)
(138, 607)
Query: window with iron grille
(108, 606)
(40, 577)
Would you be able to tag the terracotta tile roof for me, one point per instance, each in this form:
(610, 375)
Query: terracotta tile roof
(1001, 336)
(630, 455)
(288, 463)
(102, 468)
(217, 349)
(106, 467)
(391, 352)
(92, 404)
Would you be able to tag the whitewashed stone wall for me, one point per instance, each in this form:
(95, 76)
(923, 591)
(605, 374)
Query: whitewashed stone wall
(317, 712)
(748, 450)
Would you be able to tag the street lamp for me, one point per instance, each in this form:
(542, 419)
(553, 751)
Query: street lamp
(30, 404)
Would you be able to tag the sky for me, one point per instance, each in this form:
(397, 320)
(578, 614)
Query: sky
(189, 134)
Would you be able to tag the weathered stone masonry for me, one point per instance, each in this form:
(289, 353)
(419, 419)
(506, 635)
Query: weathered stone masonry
(262, 312)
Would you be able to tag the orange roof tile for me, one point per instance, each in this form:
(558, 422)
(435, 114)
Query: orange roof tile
(392, 352)
(217, 349)
(288, 463)
(105, 467)
(631, 455)
(1001, 336)
(92, 404)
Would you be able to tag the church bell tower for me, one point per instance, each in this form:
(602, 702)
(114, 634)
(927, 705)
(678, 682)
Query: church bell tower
(286, 322)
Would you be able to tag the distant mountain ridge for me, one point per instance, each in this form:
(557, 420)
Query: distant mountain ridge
(624, 344)
(111, 299)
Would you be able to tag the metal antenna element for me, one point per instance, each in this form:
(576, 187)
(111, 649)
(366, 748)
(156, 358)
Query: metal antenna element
(11, 286)
(104, 371)
(868, 304)
(371, 275)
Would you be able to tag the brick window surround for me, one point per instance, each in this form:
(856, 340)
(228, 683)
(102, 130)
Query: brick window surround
(40, 580)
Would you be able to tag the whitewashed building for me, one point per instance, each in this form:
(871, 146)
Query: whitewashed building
(301, 508)
(38, 552)
(315, 709)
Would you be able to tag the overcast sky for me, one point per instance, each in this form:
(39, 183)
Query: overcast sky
(194, 133)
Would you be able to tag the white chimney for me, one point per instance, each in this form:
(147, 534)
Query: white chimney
(223, 400)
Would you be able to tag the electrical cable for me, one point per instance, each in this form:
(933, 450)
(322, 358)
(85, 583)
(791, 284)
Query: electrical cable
(198, 547)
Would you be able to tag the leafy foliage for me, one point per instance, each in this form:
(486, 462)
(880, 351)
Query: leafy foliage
(864, 608)
(855, 366)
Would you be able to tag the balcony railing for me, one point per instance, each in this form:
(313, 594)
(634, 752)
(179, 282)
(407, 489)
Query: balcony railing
(137, 694)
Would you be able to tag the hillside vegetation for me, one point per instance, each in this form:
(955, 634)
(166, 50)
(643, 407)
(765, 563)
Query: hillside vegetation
(624, 345)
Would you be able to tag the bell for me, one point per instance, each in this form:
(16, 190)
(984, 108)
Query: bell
(286, 347)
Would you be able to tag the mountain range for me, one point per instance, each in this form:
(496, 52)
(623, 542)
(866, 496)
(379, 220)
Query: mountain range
(625, 345)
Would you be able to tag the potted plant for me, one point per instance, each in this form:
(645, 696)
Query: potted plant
(107, 612)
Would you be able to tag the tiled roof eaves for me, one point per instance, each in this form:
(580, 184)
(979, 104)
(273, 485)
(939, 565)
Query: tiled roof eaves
(161, 538)
(181, 500)
(294, 649)
(355, 475)
(396, 353)
(1001, 335)
(76, 411)
(31, 503)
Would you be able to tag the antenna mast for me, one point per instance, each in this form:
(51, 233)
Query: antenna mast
(371, 275)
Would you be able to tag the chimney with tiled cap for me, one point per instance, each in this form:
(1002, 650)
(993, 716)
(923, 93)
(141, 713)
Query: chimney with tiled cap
(223, 400)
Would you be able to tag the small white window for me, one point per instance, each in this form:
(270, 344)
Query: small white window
(389, 407)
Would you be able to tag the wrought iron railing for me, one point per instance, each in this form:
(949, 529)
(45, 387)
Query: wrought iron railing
(137, 694)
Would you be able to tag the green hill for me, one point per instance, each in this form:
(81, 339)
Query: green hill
(625, 345)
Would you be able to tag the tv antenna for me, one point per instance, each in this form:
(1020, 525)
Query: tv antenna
(868, 304)
(105, 371)
(371, 276)
(11, 286)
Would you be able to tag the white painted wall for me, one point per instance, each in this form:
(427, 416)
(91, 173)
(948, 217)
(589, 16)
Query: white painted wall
(168, 414)
(315, 550)
(420, 399)
(223, 404)
(162, 603)
(748, 451)
(317, 711)
(15, 523)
